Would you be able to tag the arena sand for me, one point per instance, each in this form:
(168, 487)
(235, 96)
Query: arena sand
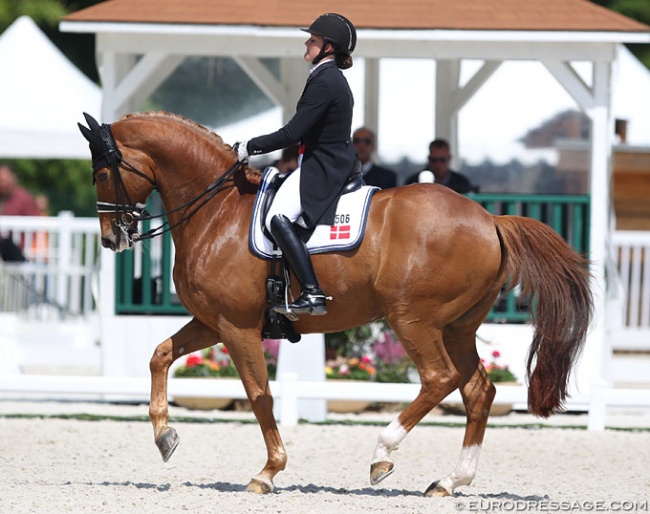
(50, 463)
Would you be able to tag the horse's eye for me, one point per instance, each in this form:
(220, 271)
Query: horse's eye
(102, 177)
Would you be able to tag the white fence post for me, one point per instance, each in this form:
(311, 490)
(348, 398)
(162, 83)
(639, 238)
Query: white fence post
(306, 360)
(288, 395)
(597, 405)
(64, 256)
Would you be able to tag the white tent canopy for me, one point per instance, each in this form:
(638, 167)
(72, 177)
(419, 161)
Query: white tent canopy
(42, 96)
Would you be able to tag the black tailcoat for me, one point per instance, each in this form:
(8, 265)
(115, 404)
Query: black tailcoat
(323, 123)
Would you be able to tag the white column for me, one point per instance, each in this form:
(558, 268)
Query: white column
(596, 102)
(597, 352)
(294, 75)
(371, 95)
(305, 359)
(446, 116)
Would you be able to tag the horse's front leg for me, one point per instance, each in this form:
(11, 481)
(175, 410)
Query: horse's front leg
(248, 356)
(193, 336)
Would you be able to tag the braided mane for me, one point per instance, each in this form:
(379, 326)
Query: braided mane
(252, 175)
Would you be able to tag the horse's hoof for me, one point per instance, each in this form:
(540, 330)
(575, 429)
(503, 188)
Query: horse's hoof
(436, 490)
(167, 442)
(259, 486)
(380, 470)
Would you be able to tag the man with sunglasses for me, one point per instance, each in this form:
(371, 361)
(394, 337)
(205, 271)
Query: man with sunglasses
(438, 170)
(363, 140)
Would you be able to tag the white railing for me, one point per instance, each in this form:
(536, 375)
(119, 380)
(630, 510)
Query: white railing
(287, 391)
(628, 310)
(60, 269)
(61, 272)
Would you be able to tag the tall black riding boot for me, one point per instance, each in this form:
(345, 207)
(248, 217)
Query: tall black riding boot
(311, 299)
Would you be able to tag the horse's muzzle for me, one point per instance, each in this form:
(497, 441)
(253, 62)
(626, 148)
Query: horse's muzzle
(107, 242)
(116, 243)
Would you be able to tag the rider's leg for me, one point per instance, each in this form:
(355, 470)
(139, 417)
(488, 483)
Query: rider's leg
(312, 298)
(284, 210)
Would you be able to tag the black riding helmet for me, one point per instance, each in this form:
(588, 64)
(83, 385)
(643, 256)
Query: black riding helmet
(337, 30)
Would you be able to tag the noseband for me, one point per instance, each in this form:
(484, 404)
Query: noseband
(126, 212)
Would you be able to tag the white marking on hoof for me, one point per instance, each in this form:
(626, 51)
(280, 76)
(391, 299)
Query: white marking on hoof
(388, 441)
(465, 470)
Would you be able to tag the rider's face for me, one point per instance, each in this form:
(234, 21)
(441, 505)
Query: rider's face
(313, 44)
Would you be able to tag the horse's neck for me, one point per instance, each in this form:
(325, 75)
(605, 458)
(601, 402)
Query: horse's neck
(184, 178)
(225, 212)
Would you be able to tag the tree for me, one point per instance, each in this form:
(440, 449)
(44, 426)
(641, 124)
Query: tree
(638, 10)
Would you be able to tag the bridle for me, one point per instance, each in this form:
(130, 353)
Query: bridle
(126, 212)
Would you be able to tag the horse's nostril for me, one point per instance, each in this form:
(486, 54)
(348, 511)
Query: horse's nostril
(108, 243)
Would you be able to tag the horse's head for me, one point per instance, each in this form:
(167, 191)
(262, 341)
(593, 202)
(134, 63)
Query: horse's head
(124, 182)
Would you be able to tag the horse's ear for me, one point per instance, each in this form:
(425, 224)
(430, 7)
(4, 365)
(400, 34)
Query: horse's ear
(85, 132)
(92, 122)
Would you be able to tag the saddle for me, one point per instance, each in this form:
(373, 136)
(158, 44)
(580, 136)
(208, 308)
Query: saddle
(275, 180)
(352, 211)
(345, 234)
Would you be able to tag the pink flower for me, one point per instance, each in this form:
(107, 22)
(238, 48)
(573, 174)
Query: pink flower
(496, 354)
(271, 347)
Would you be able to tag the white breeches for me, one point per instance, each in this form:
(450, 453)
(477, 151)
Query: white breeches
(287, 200)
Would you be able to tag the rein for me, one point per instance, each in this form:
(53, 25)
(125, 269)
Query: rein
(125, 211)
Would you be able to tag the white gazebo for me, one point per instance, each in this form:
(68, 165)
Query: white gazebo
(140, 42)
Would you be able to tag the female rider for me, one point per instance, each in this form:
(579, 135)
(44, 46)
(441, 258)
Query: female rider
(322, 124)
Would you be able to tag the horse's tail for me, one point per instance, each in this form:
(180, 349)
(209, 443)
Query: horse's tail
(556, 280)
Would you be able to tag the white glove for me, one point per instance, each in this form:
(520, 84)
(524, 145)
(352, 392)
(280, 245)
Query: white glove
(241, 148)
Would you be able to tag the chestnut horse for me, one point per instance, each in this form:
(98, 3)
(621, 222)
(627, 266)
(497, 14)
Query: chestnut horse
(432, 262)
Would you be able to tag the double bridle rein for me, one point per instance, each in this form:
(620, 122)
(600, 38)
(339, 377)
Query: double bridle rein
(126, 212)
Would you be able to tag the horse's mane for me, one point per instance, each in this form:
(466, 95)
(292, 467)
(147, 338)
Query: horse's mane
(251, 175)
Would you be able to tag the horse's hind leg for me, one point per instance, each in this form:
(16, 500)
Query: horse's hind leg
(478, 392)
(193, 336)
(439, 378)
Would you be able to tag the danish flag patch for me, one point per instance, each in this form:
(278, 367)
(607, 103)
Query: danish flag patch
(340, 232)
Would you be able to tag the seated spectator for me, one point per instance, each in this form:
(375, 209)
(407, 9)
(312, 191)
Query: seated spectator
(9, 251)
(14, 200)
(438, 170)
(364, 142)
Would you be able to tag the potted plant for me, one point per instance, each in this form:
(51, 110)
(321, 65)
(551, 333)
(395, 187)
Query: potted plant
(392, 363)
(213, 362)
(350, 369)
(498, 372)
(380, 346)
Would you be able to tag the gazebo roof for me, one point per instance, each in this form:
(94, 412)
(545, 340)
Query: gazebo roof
(508, 15)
